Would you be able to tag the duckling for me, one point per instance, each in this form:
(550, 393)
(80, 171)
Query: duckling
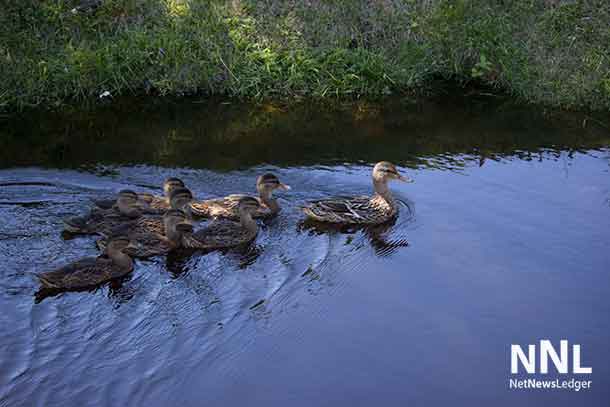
(124, 210)
(181, 198)
(152, 243)
(92, 271)
(147, 200)
(126, 203)
(225, 233)
(227, 207)
(163, 202)
(379, 208)
(106, 222)
(150, 223)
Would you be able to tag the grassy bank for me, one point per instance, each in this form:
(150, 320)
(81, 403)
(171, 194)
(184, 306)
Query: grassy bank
(543, 51)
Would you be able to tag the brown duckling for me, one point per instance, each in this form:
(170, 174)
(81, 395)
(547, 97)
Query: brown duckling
(148, 243)
(124, 210)
(376, 209)
(106, 223)
(163, 202)
(227, 207)
(181, 198)
(150, 223)
(92, 271)
(147, 200)
(225, 233)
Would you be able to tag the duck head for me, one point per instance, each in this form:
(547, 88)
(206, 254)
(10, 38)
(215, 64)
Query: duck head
(265, 185)
(385, 171)
(269, 182)
(171, 184)
(179, 198)
(127, 201)
(248, 205)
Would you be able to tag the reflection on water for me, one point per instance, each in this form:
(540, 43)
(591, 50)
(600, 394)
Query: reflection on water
(502, 239)
(215, 135)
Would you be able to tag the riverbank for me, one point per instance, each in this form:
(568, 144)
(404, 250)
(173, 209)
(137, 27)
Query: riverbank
(545, 52)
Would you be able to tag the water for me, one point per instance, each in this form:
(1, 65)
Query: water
(503, 238)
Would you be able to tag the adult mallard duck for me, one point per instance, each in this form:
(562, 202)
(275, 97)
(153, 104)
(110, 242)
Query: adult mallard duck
(225, 233)
(92, 271)
(148, 243)
(145, 200)
(227, 207)
(375, 209)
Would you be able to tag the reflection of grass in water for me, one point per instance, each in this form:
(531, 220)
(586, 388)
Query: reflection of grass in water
(444, 134)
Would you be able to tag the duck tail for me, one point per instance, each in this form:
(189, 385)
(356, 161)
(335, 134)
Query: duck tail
(45, 281)
(309, 212)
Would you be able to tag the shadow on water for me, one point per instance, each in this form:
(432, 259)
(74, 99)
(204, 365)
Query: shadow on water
(180, 262)
(501, 192)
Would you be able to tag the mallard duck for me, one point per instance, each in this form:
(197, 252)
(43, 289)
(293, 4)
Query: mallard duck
(375, 209)
(225, 233)
(147, 200)
(152, 242)
(227, 207)
(92, 271)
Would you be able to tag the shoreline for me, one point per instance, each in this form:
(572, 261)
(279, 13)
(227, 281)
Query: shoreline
(552, 53)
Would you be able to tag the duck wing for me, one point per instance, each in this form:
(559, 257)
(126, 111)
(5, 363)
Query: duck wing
(354, 209)
(220, 233)
(218, 207)
(90, 223)
(152, 224)
(82, 273)
(145, 245)
(158, 203)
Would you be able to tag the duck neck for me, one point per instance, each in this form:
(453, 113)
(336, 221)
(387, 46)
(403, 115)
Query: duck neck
(128, 208)
(381, 189)
(245, 218)
(120, 258)
(171, 233)
(268, 200)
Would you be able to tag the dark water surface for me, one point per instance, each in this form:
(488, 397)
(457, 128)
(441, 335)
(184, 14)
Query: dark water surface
(503, 238)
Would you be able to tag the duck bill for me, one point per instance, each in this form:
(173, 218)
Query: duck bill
(404, 178)
(284, 187)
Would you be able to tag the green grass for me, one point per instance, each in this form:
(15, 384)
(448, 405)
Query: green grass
(262, 49)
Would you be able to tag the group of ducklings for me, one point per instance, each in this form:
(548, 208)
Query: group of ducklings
(140, 225)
